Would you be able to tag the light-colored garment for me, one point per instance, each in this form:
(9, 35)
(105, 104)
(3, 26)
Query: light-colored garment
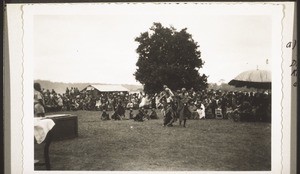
(130, 105)
(144, 102)
(38, 97)
(38, 109)
(98, 103)
(201, 111)
(60, 101)
(163, 112)
(41, 128)
(169, 91)
(157, 102)
(169, 99)
(38, 103)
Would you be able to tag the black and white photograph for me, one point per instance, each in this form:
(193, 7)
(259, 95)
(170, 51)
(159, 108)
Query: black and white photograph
(152, 87)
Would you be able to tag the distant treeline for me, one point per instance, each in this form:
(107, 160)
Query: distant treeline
(226, 87)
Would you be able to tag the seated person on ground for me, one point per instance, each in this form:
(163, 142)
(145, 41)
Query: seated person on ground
(130, 114)
(246, 107)
(193, 110)
(119, 112)
(116, 116)
(243, 112)
(153, 114)
(229, 112)
(146, 115)
(140, 115)
(105, 116)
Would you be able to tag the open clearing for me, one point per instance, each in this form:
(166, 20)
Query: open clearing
(134, 146)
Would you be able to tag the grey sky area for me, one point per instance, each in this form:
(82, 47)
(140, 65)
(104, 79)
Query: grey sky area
(101, 48)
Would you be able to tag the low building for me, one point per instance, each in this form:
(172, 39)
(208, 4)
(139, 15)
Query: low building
(98, 89)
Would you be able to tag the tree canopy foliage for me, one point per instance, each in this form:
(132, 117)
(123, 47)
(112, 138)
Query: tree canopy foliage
(168, 57)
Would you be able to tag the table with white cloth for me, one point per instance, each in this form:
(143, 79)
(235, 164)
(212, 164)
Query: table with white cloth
(43, 134)
(41, 128)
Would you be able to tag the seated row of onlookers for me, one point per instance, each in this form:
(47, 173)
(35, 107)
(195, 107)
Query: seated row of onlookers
(202, 104)
(142, 115)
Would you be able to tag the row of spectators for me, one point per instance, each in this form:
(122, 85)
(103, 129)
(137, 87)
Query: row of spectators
(73, 99)
(202, 104)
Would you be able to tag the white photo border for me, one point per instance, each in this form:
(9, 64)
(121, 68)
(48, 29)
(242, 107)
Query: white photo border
(24, 74)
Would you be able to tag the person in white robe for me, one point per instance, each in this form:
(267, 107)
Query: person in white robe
(144, 101)
(201, 111)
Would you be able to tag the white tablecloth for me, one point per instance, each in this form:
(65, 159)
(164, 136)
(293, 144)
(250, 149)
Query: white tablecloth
(41, 128)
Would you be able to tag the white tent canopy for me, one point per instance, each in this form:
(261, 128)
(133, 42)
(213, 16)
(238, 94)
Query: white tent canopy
(107, 88)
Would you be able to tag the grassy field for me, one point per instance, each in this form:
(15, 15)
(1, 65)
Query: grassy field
(133, 146)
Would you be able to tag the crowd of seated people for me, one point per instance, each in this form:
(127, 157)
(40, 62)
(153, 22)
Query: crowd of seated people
(73, 99)
(254, 106)
(236, 105)
(202, 104)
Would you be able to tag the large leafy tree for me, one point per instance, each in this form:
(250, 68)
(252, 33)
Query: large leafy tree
(168, 57)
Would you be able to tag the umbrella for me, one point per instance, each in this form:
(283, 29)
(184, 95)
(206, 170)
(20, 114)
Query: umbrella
(254, 78)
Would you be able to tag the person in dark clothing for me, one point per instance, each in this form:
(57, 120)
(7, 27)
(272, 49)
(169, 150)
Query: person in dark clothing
(182, 107)
(214, 107)
(116, 116)
(246, 111)
(105, 116)
(224, 106)
(119, 112)
(168, 115)
(130, 114)
(153, 114)
(140, 115)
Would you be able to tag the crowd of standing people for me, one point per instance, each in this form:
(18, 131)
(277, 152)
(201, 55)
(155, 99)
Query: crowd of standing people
(174, 105)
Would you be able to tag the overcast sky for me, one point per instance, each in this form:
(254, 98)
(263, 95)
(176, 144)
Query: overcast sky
(101, 48)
